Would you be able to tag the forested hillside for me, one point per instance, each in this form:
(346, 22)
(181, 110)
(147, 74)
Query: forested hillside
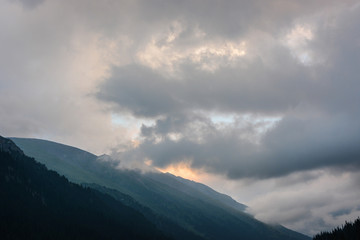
(36, 203)
(181, 208)
(349, 231)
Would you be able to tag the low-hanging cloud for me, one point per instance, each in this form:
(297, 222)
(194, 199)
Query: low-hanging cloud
(251, 91)
(145, 93)
(319, 123)
(293, 145)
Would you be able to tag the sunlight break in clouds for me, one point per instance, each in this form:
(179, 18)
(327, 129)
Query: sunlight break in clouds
(297, 41)
(182, 169)
(255, 93)
(165, 50)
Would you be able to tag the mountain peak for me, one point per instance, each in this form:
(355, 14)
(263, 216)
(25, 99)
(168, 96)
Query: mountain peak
(6, 145)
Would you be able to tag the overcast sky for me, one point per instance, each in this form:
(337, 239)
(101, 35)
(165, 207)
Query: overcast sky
(258, 99)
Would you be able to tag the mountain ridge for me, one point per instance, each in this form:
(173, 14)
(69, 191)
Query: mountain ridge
(191, 205)
(37, 203)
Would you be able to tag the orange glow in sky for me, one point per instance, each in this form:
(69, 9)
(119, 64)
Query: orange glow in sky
(183, 170)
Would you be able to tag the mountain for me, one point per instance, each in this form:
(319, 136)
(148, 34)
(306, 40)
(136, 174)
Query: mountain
(163, 223)
(191, 207)
(36, 203)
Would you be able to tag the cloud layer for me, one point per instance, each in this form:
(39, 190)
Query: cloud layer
(247, 92)
(315, 99)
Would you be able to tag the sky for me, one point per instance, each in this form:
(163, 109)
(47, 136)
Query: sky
(257, 99)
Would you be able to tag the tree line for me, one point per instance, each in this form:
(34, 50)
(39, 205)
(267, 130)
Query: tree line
(349, 231)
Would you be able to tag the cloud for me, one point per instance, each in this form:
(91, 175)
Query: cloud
(30, 4)
(47, 73)
(293, 145)
(250, 92)
(303, 76)
(256, 89)
(330, 205)
(318, 123)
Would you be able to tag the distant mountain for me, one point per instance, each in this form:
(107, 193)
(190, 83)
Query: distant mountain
(192, 208)
(36, 203)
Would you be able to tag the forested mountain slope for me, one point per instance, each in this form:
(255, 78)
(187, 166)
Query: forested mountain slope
(192, 206)
(36, 203)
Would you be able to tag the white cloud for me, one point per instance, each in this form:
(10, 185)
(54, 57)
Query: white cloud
(297, 41)
(305, 202)
(166, 50)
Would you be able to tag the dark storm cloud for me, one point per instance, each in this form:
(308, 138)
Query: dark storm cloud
(140, 91)
(230, 18)
(292, 146)
(255, 88)
(320, 126)
(341, 212)
(30, 4)
(146, 93)
(171, 124)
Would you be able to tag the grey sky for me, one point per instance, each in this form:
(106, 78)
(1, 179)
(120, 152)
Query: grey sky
(259, 96)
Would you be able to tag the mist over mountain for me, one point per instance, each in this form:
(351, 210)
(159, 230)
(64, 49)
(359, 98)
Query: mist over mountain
(37, 203)
(257, 99)
(177, 206)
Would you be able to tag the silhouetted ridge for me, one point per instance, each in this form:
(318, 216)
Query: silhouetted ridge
(6, 145)
(36, 203)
